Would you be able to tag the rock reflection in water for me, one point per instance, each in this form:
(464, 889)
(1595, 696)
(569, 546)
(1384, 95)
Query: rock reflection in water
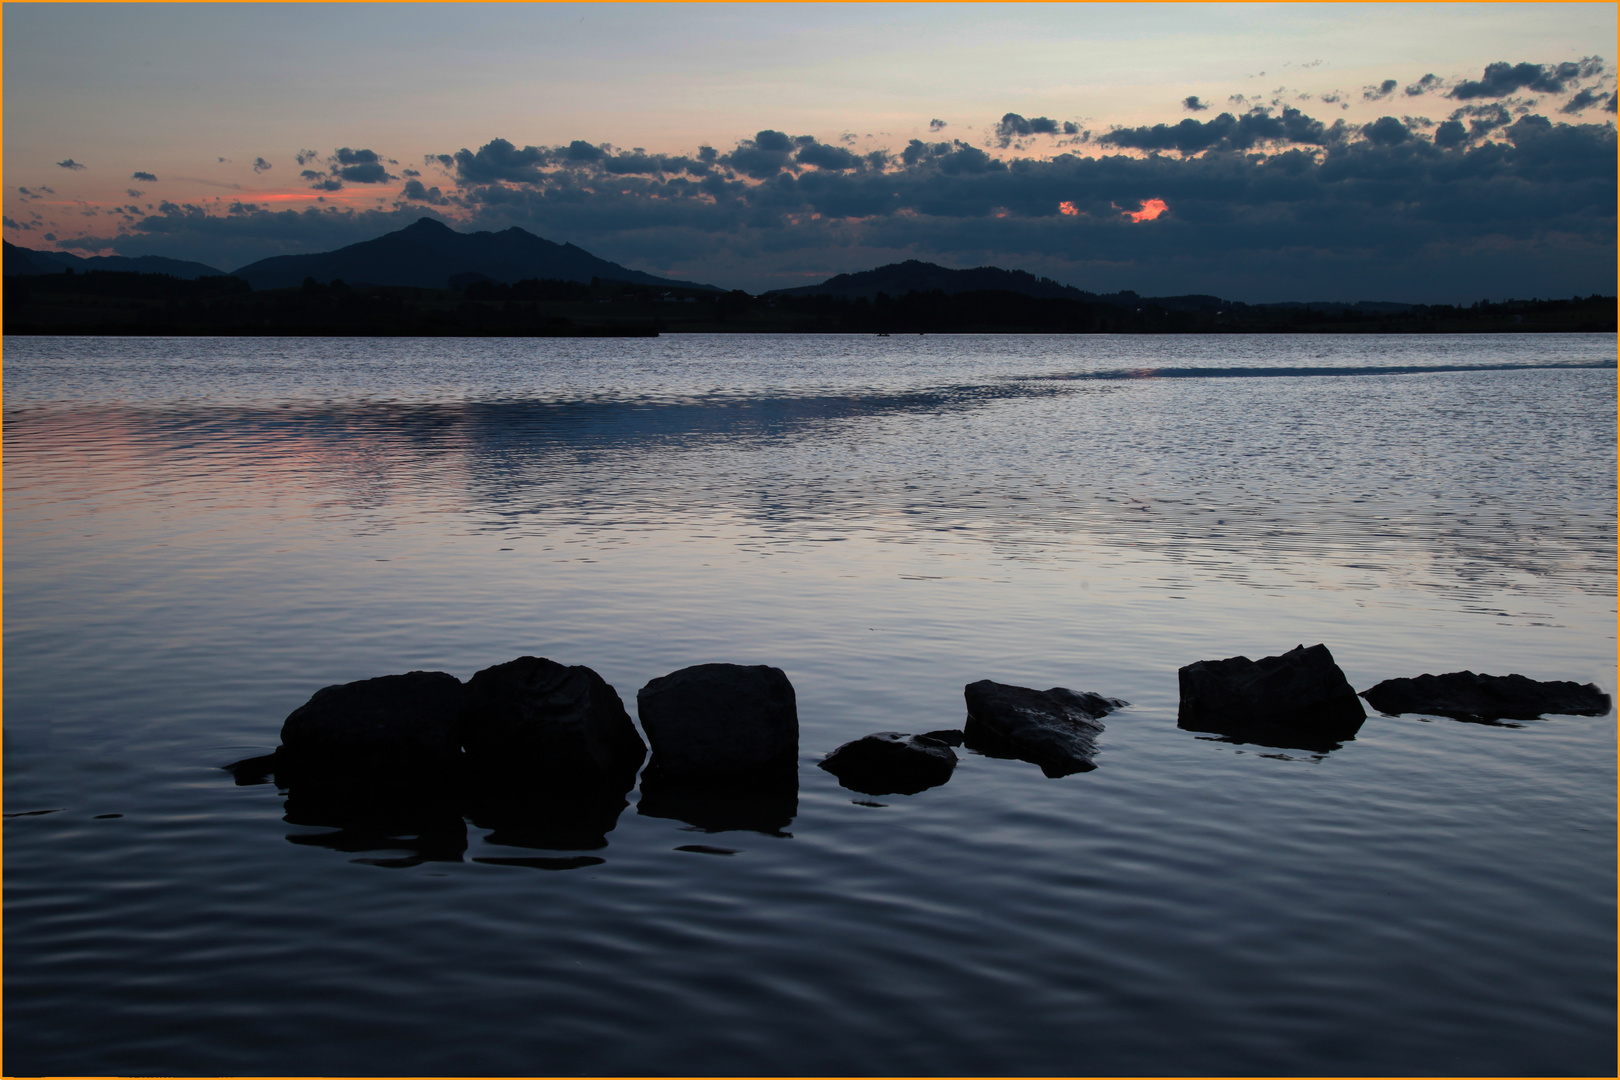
(1321, 738)
(533, 811)
(983, 739)
(521, 809)
(428, 829)
(763, 804)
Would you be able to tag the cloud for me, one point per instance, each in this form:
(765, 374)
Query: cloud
(1483, 119)
(70, 164)
(260, 165)
(1588, 98)
(415, 192)
(936, 125)
(1386, 131)
(823, 156)
(1225, 132)
(496, 161)
(143, 176)
(1013, 126)
(1423, 85)
(304, 157)
(132, 193)
(1192, 104)
(1502, 78)
(359, 166)
(761, 157)
(1380, 91)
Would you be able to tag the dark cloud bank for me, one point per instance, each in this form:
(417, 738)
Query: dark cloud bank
(1270, 203)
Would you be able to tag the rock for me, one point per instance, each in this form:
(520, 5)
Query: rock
(720, 720)
(396, 730)
(1464, 695)
(948, 736)
(890, 763)
(1299, 699)
(1056, 729)
(534, 715)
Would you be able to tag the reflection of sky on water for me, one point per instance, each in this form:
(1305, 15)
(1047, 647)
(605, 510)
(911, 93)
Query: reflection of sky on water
(1468, 483)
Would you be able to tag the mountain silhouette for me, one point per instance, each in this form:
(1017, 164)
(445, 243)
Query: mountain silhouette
(21, 260)
(429, 253)
(913, 275)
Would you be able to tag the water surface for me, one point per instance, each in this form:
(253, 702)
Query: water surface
(202, 532)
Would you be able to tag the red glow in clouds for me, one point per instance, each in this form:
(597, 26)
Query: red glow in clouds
(1067, 208)
(1151, 208)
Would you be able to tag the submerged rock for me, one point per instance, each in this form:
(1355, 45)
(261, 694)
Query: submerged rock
(890, 763)
(536, 716)
(1464, 695)
(395, 730)
(1056, 729)
(1297, 700)
(720, 720)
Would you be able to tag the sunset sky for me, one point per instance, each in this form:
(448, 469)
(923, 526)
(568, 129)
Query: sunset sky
(1289, 152)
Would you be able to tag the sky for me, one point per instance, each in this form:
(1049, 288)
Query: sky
(1425, 153)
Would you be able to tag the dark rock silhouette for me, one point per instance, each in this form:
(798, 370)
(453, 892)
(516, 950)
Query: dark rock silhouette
(766, 803)
(1299, 700)
(1463, 695)
(948, 736)
(890, 763)
(392, 731)
(539, 717)
(720, 720)
(1056, 729)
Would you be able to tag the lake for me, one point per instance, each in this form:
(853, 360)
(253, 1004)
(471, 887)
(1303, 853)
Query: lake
(201, 533)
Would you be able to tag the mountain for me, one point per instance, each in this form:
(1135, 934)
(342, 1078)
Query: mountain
(429, 253)
(898, 279)
(913, 275)
(21, 260)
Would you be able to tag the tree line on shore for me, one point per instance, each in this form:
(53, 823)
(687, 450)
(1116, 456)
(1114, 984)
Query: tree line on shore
(116, 302)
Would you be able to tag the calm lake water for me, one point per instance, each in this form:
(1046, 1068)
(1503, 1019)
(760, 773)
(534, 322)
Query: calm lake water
(200, 533)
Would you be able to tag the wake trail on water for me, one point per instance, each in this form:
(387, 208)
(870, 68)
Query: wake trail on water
(1118, 374)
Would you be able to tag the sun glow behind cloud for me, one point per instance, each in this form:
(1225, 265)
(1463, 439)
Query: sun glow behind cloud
(1151, 208)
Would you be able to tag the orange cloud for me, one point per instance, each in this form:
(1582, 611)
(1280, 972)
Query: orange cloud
(1151, 208)
(1067, 208)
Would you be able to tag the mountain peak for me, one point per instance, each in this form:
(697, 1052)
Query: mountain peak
(427, 224)
(433, 252)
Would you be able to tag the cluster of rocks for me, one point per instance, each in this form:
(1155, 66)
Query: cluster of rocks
(544, 754)
(541, 753)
